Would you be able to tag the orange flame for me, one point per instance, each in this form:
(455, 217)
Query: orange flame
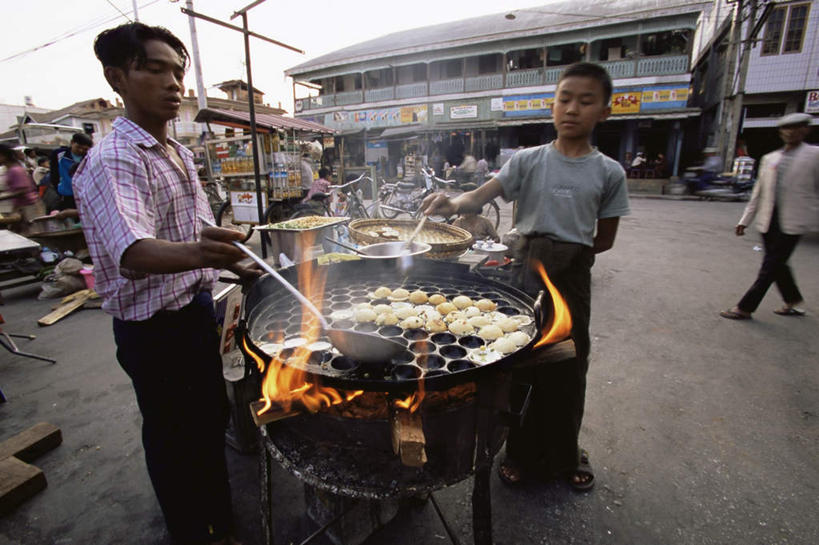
(285, 381)
(413, 401)
(560, 325)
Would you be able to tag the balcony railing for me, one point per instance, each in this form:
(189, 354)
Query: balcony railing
(620, 69)
(660, 66)
(374, 95)
(350, 97)
(446, 86)
(411, 90)
(524, 78)
(552, 75)
(484, 83)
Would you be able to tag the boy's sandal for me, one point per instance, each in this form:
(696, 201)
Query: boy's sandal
(510, 473)
(582, 478)
(790, 311)
(733, 315)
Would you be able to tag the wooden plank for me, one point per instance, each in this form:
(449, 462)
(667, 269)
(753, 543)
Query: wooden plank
(31, 443)
(64, 310)
(408, 438)
(275, 413)
(18, 482)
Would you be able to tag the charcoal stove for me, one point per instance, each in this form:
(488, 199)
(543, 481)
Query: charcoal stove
(350, 450)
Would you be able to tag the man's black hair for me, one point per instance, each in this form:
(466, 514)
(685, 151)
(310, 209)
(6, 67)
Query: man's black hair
(82, 139)
(323, 173)
(125, 44)
(42, 159)
(7, 152)
(590, 70)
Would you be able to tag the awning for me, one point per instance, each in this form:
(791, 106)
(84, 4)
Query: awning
(239, 119)
(765, 122)
(403, 131)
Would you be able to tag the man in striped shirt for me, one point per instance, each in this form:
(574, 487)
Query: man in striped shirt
(155, 265)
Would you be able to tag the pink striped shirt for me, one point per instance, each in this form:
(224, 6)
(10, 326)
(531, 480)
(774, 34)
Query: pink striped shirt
(127, 189)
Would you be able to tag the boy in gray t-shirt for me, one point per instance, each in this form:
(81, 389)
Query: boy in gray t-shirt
(569, 201)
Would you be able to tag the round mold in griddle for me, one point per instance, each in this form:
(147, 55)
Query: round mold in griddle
(460, 365)
(415, 334)
(275, 326)
(390, 331)
(406, 372)
(410, 287)
(339, 299)
(402, 358)
(430, 361)
(490, 295)
(343, 363)
(452, 351)
(471, 341)
(436, 373)
(509, 311)
(443, 338)
(343, 324)
(317, 358)
(470, 293)
(382, 301)
(400, 340)
(422, 347)
(366, 327)
(285, 353)
(449, 292)
(358, 300)
(294, 329)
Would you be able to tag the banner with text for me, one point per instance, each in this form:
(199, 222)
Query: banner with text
(528, 105)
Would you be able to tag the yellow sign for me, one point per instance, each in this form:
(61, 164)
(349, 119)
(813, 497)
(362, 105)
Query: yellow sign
(527, 104)
(625, 103)
(414, 114)
(679, 94)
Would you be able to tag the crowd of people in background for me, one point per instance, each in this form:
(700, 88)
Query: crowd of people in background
(639, 166)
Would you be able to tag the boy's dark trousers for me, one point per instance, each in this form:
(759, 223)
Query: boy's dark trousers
(174, 364)
(546, 443)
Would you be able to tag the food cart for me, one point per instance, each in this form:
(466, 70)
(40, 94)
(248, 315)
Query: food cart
(230, 161)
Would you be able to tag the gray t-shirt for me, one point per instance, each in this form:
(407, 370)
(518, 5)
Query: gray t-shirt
(563, 197)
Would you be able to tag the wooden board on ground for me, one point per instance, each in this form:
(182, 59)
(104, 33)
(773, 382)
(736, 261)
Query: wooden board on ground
(18, 482)
(31, 443)
(68, 305)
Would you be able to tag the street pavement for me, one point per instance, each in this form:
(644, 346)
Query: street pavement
(701, 430)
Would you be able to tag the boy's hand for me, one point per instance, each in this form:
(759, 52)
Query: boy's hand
(216, 248)
(438, 204)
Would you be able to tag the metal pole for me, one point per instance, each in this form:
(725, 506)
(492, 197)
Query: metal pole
(252, 107)
(730, 69)
(736, 103)
(201, 98)
(136, 11)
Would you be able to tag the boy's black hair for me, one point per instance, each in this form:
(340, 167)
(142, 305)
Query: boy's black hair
(590, 70)
(122, 45)
(82, 139)
(323, 172)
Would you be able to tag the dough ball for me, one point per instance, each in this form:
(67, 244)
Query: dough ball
(519, 338)
(405, 312)
(413, 322)
(522, 319)
(358, 306)
(436, 326)
(341, 314)
(400, 295)
(381, 309)
(364, 315)
(386, 318)
(486, 305)
(490, 332)
(382, 292)
(479, 321)
(446, 308)
(469, 312)
(452, 316)
(508, 325)
(461, 327)
(430, 314)
(418, 297)
(437, 299)
(462, 301)
(504, 345)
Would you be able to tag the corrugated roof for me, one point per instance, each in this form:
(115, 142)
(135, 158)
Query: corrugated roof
(269, 121)
(552, 18)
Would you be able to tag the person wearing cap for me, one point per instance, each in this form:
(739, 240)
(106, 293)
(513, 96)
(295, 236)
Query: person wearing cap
(785, 204)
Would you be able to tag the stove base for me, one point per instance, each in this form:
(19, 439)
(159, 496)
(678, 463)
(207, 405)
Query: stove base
(352, 520)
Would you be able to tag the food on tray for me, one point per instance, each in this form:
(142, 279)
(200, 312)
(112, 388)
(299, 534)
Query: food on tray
(507, 324)
(504, 345)
(303, 224)
(295, 342)
(382, 292)
(437, 299)
(471, 312)
(455, 315)
(486, 305)
(490, 332)
(400, 304)
(400, 295)
(365, 315)
(319, 346)
(461, 327)
(519, 338)
(522, 319)
(478, 321)
(381, 309)
(484, 355)
(341, 314)
(462, 301)
(358, 306)
(418, 297)
(386, 318)
(429, 313)
(405, 312)
(436, 326)
(271, 349)
(413, 322)
(446, 308)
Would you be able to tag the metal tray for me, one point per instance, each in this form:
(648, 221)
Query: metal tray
(273, 226)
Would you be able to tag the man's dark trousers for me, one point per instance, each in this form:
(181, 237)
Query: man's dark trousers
(174, 363)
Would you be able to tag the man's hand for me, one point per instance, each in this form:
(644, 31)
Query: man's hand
(216, 248)
(250, 271)
(740, 230)
(438, 204)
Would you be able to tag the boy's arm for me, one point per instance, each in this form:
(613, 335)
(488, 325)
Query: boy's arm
(606, 232)
(439, 204)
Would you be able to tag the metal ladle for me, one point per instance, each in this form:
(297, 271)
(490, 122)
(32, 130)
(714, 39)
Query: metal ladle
(362, 347)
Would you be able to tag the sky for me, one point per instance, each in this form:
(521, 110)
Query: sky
(67, 71)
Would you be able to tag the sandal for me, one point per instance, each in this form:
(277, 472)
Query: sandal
(790, 311)
(582, 478)
(510, 473)
(734, 315)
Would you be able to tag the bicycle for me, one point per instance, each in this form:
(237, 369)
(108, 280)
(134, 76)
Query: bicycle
(406, 198)
(341, 201)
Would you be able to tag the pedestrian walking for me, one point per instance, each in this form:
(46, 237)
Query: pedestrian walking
(785, 203)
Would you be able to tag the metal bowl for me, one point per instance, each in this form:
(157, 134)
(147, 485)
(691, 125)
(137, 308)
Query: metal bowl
(392, 250)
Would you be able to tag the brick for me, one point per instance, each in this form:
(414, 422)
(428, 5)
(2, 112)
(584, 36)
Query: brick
(32, 443)
(18, 482)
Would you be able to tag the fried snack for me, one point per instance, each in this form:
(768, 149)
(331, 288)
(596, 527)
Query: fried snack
(436, 299)
(382, 292)
(413, 322)
(490, 332)
(418, 297)
(486, 305)
(462, 301)
(446, 308)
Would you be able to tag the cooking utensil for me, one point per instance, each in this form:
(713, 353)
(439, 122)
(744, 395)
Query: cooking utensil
(345, 245)
(362, 347)
(386, 250)
(416, 231)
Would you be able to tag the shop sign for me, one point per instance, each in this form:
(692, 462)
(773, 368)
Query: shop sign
(464, 111)
(244, 205)
(376, 144)
(328, 141)
(656, 98)
(496, 104)
(528, 105)
(438, 108)
(627, 102)
(414, 114)
(812, 102)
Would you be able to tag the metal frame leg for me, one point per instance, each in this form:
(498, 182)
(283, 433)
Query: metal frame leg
(265, 481)
(9, 345)
(481, 494)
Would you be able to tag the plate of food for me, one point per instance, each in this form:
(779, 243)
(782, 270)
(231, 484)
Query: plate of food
(307, 223)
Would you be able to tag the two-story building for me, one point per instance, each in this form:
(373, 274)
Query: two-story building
(487, 84)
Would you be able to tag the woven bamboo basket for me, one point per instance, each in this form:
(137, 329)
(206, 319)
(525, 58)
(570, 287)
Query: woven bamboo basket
(447, 241)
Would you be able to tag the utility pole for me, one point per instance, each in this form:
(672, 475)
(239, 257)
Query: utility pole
(136, 11)
(726, 125)
(736, 103)
(201, 97)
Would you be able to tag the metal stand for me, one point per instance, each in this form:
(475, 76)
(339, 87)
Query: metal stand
(8, 344)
